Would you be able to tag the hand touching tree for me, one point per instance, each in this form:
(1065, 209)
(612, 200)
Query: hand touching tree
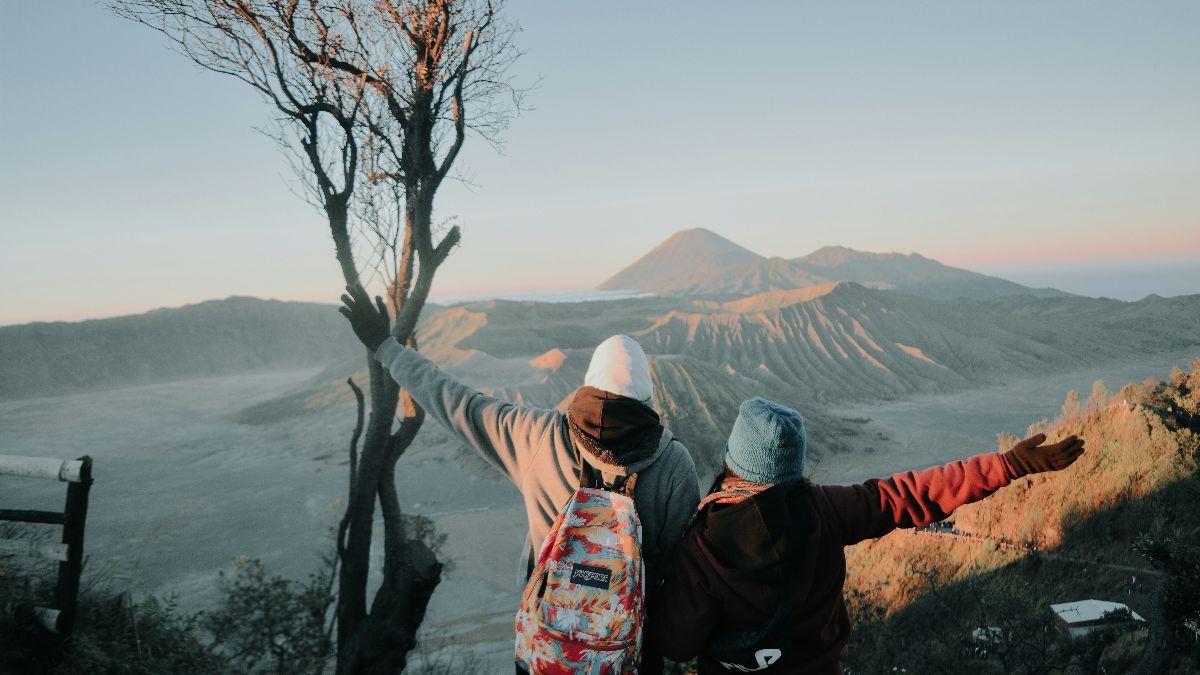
(370, 323)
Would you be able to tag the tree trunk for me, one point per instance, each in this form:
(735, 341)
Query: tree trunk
(1160, 645)
(360, 512)
(379, 641)
(390, 632)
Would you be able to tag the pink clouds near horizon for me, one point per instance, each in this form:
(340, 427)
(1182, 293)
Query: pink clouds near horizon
(1089, 251)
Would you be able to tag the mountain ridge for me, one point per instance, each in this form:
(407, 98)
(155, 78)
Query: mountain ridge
(681, 261)
(208, 338)
(810, 348)
(701, 262)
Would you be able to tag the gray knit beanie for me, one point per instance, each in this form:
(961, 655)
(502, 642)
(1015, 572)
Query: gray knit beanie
(767, 442)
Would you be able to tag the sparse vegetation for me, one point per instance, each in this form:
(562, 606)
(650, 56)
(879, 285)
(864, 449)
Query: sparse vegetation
(1120, 527)
(114, 633)
(263, 624)
(272, 624)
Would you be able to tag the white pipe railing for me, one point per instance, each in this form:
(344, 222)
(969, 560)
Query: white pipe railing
(70, 470)
(78, 474)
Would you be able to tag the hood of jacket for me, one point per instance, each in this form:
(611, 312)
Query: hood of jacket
(762, 537)
(618, 435)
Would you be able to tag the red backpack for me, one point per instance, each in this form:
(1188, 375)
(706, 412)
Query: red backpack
(584, 605)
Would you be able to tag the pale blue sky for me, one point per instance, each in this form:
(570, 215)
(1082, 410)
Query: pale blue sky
(1007, 137)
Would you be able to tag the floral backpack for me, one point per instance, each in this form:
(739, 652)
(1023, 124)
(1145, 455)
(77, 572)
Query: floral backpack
(584, 606)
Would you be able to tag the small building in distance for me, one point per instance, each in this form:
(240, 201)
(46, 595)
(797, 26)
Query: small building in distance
(1084, 616)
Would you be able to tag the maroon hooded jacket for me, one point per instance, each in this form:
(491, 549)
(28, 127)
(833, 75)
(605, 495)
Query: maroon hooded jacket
(738, 560)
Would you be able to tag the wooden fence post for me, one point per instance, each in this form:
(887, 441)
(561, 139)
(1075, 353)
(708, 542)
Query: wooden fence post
(66, 593)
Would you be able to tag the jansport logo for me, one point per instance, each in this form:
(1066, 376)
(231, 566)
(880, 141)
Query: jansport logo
(586, 575)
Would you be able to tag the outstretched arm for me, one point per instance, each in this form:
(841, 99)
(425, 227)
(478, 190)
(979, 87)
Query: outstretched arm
(916, 498)
(505, 435)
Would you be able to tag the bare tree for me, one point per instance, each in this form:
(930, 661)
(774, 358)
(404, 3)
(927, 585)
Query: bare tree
(373, 102)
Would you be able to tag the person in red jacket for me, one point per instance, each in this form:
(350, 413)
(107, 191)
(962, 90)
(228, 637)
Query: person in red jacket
(756, 583)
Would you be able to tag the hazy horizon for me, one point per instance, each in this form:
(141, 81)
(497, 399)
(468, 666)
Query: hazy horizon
(1128, 280)
(1049, 145)
(1123, 280)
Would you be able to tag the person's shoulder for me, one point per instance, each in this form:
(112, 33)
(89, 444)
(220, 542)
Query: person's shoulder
(548, 416)
(843, 503)
(556, 420)
(822, 498)
(677, 455)
(549, 426)
(826, 492)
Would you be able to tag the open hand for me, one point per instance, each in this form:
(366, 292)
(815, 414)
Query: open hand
(371, 323)
(1030, 456)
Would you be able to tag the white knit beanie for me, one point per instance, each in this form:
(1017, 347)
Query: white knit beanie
(619, 366)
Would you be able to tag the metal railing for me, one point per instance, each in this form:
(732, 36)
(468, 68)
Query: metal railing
(77, 473)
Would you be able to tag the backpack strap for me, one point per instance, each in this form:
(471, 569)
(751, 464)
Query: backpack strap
(591, 478)
(586, 474)
(626, 484)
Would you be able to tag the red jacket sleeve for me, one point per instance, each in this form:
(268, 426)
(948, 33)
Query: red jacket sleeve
(915, 498)
(684, 614)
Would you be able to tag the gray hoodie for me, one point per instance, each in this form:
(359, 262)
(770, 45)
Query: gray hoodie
(534, 449)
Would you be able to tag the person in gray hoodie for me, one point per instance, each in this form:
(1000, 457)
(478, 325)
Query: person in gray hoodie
(610, 427)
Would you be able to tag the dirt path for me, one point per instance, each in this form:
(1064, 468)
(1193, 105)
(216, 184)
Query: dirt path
(1049, 555)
